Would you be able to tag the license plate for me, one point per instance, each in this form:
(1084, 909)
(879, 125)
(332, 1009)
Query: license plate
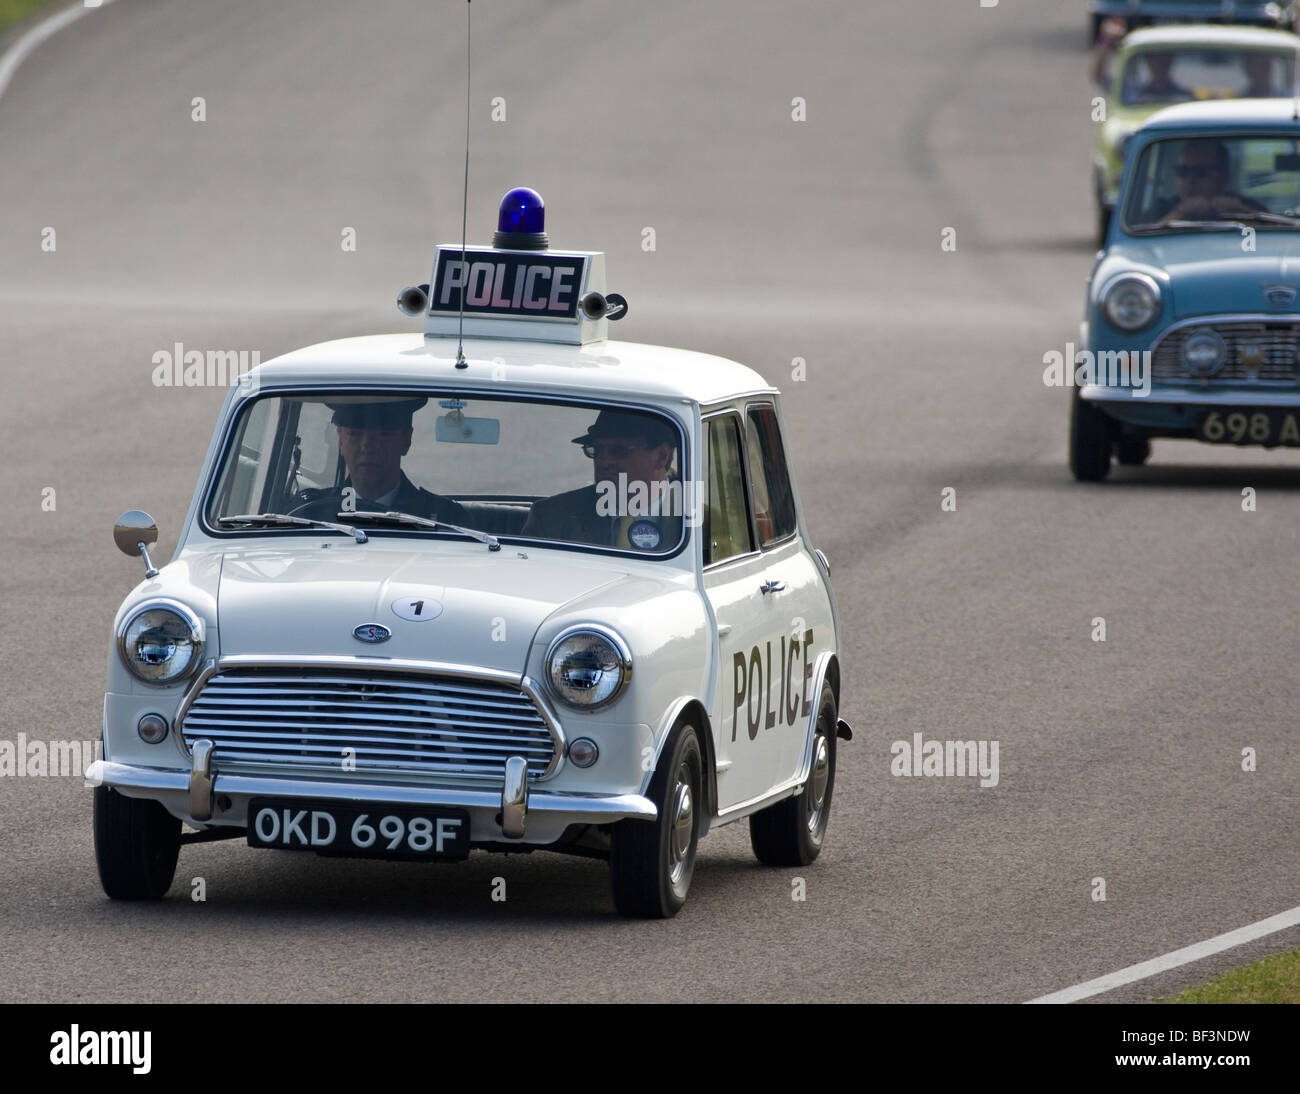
(358, 831)
(1266, 426)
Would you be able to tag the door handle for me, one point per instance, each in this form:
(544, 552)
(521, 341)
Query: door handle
(772, 587)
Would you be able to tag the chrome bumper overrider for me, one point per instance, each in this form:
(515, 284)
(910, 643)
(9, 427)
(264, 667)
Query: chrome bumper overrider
(196, 793)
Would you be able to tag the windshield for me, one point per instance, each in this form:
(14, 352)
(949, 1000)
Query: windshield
(598, 476)
(1185, 75)
(1220, 182)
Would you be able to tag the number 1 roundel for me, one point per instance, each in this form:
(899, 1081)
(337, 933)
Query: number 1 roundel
(416, 609)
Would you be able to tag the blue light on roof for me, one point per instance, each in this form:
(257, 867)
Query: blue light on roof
(521, 224)
(522, 210)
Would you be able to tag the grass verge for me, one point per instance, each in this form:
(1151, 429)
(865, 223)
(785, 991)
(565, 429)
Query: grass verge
(1273, 980)
(15, 11)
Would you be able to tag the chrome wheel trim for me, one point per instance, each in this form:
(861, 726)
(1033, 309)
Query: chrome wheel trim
(681, 830)
(820, 777)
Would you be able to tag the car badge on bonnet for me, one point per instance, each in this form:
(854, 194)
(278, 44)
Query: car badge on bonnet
(372, 632)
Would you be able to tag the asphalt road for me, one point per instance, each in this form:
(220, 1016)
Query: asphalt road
(776, 239)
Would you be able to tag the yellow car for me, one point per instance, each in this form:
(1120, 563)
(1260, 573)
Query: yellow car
(1155, 67)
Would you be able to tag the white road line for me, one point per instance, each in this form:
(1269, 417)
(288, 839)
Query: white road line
(1187, 954)
(47, 28)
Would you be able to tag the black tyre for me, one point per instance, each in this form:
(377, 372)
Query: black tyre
(136, 845)
(1103, 224)
(1090, 441)
(651, 862)
(1133, 451)
(791, 832)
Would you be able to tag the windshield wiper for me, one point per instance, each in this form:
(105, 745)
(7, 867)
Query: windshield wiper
(303, 522)
(1237, 221)
(1181, 225)
(1267, 217)
(409, 518)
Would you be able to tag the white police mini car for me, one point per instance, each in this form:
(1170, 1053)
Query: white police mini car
(551, 592)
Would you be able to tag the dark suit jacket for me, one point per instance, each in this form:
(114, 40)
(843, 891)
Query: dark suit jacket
(421, 503)
(408, 499)
(572, 517)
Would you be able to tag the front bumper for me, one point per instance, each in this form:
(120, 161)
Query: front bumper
(538, 816)
(1191, 396)
(1179, 409)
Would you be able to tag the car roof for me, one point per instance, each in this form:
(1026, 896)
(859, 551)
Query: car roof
(1227, 37)
(608, 369)
(1225, 113)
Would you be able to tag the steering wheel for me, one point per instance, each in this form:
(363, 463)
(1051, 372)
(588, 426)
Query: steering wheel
(326, 505)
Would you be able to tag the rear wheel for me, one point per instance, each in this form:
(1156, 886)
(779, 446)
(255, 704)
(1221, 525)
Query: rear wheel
(651, 862)
(136, 845)
(1090, 441)
(791, 832)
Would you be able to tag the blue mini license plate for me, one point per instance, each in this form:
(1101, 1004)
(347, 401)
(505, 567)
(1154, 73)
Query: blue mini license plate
(358, 831)
(1266, 426)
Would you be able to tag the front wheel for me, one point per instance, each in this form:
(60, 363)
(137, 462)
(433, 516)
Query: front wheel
(136, 845)
(791, 832)
(1133, 451)
(1090, 441)
(651, 862)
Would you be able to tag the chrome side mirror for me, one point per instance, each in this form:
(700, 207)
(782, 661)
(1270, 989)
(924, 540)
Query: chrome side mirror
(133, 533)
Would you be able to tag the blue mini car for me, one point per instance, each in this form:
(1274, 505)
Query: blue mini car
(1276, 13)
(1190, 326)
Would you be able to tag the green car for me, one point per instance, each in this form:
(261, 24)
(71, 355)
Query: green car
(1176, 64)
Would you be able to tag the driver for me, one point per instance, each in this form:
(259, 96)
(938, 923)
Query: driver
(1203, 194)
(1160, 86)
(373, 438)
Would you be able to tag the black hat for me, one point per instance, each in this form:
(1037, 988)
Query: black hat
(628, 423)
(376, 413)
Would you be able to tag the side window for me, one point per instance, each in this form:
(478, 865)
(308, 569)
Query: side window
(245, 474)
(769, 479)
(726, 514)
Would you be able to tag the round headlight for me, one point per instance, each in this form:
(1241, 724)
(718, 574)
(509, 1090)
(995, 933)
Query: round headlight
(588, 668)
(1132, 302)
(161, 643)
(1204, 353)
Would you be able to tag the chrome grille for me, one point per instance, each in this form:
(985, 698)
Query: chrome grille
(397, 722)
(1258, 352)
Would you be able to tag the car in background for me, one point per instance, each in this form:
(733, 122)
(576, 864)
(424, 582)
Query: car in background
(1280, 13)
(1191, 328)
(1161, 66)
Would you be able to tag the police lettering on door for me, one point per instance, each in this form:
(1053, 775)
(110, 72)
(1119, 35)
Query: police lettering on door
(754, 677)
(497, 283)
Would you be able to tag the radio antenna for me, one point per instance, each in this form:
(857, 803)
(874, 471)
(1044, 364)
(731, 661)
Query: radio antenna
(464, 207)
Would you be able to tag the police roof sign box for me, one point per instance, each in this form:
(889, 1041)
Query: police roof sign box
(508, 293)
(517, 288)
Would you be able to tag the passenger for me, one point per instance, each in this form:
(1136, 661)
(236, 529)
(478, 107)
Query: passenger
(640, 447)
